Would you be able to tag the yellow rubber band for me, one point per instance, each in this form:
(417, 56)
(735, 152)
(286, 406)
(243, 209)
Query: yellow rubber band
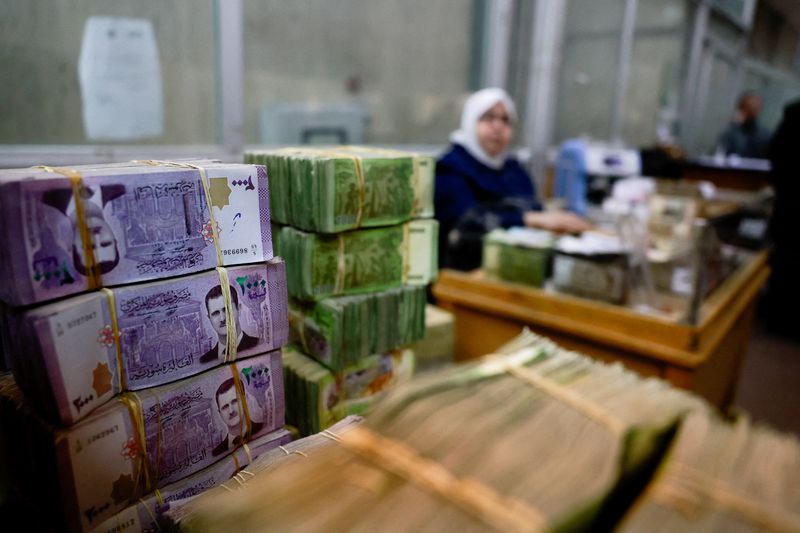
(569, 397)
(243, 409)
(415, 179)
(415, 166)
(230, 323)
(406, 251)
(134, 405)
(236, 465)
(327, 433)
(358, 168)
(151, 513)
(158, 438)
(212, 218)
(470, 495)
(341, 266)
(206, 190)
(112, 312)
(686, 488)
(299, 323)
(76, 182)
(293, 452)
(248, 453)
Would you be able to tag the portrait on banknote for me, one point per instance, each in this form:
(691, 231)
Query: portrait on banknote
(103, 242)
(215, 309)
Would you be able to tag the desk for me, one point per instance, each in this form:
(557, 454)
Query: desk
(728, 177)
(705, 358)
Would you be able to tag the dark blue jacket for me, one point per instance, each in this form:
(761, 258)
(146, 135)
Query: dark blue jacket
(471, 199)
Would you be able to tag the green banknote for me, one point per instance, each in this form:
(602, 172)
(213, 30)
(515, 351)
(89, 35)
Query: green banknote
(519, 255)
(317, 397)
(319, 265)
(329, 190)
(535, 439)
(722, 477)
(341, 330)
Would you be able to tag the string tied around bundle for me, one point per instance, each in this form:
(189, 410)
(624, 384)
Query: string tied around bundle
(91, 267)
(204, 181)
(112, 334)
(470, 495)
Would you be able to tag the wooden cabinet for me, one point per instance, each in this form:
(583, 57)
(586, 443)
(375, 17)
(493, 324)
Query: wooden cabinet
(705, 358)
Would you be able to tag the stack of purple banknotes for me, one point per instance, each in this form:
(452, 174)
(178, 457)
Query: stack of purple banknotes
(142, 315)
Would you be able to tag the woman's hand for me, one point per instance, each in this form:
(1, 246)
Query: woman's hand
(558, 221)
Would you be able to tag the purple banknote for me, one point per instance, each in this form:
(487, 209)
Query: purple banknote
(64, 231)
(145, 514)
(152, 438)
(65, 355)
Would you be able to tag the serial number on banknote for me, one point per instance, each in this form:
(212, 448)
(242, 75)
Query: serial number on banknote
(234, 251)
(103, 434)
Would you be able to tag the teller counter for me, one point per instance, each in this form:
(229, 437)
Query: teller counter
(748, 175)
(705, 358)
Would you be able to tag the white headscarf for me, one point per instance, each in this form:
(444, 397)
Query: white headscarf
(475, 106)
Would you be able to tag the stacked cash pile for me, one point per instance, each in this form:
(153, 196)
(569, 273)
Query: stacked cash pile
(66, 355)
(168, 371)
(324, 202)
(354, 226)
(93, 470)
(330, 190)
(340, 331)
(520, 255)
(536, 439)
(316, 396)
(594, 265)
(69, 230)
(147, 514)
(358, 261)
(437, 347)
(721, 477)
(181, 511)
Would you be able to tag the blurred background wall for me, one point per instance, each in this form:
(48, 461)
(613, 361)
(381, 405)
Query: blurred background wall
(636, 72)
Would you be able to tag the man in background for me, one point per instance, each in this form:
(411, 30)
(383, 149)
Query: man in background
(744, 136)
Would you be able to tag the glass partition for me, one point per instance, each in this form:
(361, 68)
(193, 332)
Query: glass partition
(40, 52)
(355, 71)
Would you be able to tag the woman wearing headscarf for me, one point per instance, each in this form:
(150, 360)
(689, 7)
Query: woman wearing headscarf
(480, 186)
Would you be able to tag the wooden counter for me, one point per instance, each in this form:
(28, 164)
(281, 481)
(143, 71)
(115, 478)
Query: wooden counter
(705, 358)
(726, 177)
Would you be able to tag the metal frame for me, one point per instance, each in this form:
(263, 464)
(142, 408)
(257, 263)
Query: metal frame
(624, 69)
(230, 73)
(745, 22)
(498, 42)
(547, 28)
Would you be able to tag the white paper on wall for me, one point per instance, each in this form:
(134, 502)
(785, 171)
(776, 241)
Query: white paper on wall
(120, 79)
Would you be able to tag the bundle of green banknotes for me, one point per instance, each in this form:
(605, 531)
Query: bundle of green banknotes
(537, 439)
(320, 265)
(317, 396)
(330, 190)
(520, 255)
(340, 330)
(531, 438)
